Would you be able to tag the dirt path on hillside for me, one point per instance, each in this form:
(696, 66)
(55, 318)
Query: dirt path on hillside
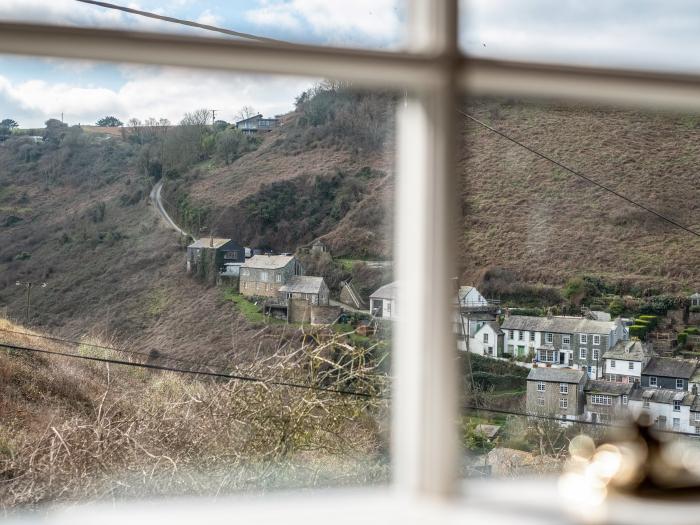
(157, 201)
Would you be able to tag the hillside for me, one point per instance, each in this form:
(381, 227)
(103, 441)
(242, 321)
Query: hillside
(73, 430)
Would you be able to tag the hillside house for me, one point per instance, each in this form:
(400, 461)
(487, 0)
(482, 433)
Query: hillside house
(311, 289)
(470, 322)
(562, 341)
(606, 401)
(263, 275)
(211, 255)
(257, 124)
(382, 303)
(319, 247)
(487, 340)
(556, 391)
(669, 409)
(470, 297)
(668, 373)
(694, 300)
(624, 362)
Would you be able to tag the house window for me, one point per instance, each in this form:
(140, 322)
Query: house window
(584, 339)
(612, 363)
(532, 336)
(599, 399)
(566, 340)
(596, 353)
(676, 406)
(540, 386)
(511, 349)
(521, 335)
(563, 403)
(547, 356)
(540, 401)
(596, 340)
(630, 366)
(278, 277)
(653, 382)
(625, 400)
(512, 334)
(676, 423)
(264, 276)
(563, 388)
(697, 430)
(549, 338)
(486, 338)
(679, 384)
(582, 353)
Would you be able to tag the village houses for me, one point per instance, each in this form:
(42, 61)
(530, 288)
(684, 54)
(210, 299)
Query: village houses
(311, 289)
(576, 342)
(607, 401)
(214, 255)
(668, 409)
(668, 373)
(256, 124)
(264, 275)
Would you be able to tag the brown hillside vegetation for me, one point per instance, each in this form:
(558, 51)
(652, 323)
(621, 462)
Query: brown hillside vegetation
(522, 212)
(74, 430)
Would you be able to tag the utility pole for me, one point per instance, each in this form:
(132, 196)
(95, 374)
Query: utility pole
(213, 116)
(28, 285)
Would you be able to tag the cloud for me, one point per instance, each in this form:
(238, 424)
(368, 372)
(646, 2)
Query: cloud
(149, 92)
(360, 22)
(209, 18)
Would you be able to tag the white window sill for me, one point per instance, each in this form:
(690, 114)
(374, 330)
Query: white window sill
(492, 502)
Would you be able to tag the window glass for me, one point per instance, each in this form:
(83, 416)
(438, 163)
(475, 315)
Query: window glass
(114, 178)
(640, 35)
(548, 279)
(360, 24)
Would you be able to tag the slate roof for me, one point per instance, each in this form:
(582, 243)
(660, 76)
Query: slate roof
(303, 284)
(633, 350)
(670, 367)
(663, 395)
(608, 387)
(208, 242)
(493, 325)
(555, 375)
(599, 315)
(268, 262)
(388, 291)
(560, 325)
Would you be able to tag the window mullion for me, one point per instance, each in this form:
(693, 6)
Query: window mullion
(424, 431)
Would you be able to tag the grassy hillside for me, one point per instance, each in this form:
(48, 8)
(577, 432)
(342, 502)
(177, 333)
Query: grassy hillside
(73, 430)
(523, 214)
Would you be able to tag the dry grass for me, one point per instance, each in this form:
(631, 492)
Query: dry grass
(72, 431)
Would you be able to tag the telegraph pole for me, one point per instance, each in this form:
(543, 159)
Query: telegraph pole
(28, 285)
(213, 116)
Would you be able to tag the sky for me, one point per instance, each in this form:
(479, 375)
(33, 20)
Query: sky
(637, 34)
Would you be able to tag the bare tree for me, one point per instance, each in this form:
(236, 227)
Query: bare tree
(244, 113)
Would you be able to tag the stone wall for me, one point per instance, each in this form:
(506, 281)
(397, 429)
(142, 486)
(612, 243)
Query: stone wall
(300, 311)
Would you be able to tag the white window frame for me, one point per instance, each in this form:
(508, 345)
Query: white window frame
(596, 354)
(541, 386)
(565, 339)
(596, 340)
(612, 363)
(583, 353)
(532, 336)
(549, 337)
(563, 388)
(630, 365)
(601, 399)
(432, 73)
(540, 401)
(677, 405)
(563, 402)
(625, 399)
(486, 337)
(653, 382)
(679, 384)
(583, 339)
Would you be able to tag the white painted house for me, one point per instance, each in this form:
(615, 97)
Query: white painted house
(382, 303)
(469, 297)
(624, 362)
(487, 340)
(668, 409)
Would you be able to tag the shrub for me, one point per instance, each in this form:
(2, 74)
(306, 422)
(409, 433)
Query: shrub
(682, 339)
(639, 331)
(616, 307)
(692, 330)
(695, 309)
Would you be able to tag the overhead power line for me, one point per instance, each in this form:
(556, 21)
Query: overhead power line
(181, 21)
(580, 175)
(234, 377)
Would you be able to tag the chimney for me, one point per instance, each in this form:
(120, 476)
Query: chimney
(211, 240)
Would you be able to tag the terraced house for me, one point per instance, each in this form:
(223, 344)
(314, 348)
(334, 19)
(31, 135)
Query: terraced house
(556, 391)
(560, 341)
